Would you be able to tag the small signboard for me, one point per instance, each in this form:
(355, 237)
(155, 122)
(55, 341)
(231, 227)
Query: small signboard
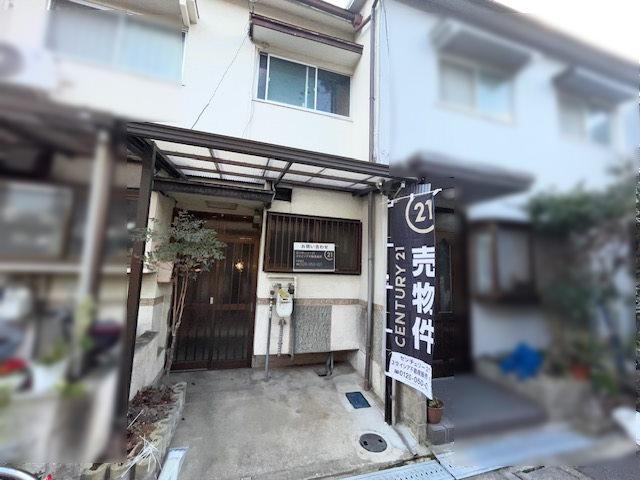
(314, 257)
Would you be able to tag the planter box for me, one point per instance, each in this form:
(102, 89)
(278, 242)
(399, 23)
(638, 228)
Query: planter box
(557, 396)
(146, 468)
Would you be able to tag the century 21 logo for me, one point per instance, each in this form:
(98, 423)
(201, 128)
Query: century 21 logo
(419, 214)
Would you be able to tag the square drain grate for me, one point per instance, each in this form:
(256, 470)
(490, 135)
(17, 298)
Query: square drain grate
(357, 400)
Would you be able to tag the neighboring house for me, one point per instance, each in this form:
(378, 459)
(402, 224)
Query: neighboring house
(485, 98)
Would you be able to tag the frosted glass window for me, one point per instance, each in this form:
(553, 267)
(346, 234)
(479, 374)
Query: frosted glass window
(571, 118)
(514, 260)
(464, 84)
(115, 39)
(494, 94)
(83, 32)
(482, 268)
(580, 119)
(151, 49)
(457, 85)
(599, 125)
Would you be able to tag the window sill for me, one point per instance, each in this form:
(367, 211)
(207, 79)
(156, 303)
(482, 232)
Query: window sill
(302, 109)
(476, 114)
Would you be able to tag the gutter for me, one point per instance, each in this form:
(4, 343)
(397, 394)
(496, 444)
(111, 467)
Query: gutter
(371, 204)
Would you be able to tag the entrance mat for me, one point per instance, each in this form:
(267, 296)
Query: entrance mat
(473, 457)
(357, 400)
(429, 470)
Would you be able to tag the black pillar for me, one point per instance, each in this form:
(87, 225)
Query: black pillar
(135, 281)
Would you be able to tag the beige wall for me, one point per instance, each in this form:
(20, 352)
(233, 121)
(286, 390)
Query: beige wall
(343, 292)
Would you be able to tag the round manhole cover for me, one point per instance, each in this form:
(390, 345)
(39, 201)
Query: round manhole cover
(373, 442)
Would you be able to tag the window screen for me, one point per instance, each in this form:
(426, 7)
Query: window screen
(285, 229)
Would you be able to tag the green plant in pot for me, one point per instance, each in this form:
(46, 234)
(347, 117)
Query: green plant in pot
(435, 409)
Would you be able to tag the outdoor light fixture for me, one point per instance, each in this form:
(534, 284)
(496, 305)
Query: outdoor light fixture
(239, 265)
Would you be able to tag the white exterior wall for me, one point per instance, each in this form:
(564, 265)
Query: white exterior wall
(210, 47)
(413, 119)
(345, 318)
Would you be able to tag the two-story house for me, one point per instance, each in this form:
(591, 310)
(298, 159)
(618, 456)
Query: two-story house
(252, 116)
(493, 106)
(291, 74)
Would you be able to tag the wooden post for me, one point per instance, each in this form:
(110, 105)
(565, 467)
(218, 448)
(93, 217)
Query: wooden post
(135, 282)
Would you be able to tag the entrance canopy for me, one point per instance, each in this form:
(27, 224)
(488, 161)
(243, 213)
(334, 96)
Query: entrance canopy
(206, 163)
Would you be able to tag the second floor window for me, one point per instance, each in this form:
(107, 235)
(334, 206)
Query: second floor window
(115, 39)
(303, 85)
(582, 120)
(476, 89)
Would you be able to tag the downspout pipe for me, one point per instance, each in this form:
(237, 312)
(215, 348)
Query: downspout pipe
(371, 200)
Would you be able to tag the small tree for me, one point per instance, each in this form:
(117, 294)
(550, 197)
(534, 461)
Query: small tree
(595, 226)
(190, 248)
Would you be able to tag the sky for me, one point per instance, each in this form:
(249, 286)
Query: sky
(608, 24)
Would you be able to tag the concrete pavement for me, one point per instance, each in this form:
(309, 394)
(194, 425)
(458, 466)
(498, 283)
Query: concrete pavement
(297, 425)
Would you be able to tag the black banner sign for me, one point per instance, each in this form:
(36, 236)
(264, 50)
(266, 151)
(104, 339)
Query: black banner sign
(411, 290)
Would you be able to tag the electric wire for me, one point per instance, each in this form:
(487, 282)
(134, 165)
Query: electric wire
(224, 74)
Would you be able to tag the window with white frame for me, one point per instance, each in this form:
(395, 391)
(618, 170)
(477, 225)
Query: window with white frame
(301, 85)
(476, 88)
(116, 39)
(583, 120)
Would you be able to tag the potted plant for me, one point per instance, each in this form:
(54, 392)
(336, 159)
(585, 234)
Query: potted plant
(435, 409)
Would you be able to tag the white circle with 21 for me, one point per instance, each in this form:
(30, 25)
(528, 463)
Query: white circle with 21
(419, 214)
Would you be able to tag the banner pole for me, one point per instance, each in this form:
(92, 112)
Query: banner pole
(388, 400)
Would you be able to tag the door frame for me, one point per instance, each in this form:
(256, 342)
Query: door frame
(462, 305)
(254, 237)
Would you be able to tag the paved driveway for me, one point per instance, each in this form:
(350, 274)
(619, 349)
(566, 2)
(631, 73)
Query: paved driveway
(297, 425)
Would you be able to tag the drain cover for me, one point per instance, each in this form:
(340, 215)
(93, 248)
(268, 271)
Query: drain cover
(357, 400)
(373, 442)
